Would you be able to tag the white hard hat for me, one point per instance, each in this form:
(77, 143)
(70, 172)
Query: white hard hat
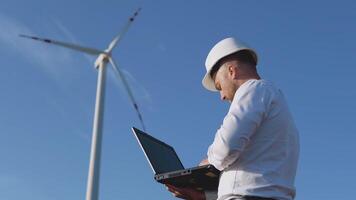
(222, 49)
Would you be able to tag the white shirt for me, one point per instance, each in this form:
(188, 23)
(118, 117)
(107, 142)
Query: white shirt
(257, 146)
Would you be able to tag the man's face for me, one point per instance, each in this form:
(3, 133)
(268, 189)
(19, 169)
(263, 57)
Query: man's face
(224, 81)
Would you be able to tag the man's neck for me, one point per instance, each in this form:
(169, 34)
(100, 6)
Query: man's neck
(241, 81)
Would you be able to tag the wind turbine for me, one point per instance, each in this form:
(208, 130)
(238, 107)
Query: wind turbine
(104, 57)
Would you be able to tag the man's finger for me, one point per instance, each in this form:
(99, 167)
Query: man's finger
(177, 192)
(171, 186)
(204, 162)
(179, 195)
(171, 190)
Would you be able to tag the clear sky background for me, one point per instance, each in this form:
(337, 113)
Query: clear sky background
(307, 48)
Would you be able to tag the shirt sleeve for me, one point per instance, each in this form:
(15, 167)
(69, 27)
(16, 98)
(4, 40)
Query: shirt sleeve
(246, 112)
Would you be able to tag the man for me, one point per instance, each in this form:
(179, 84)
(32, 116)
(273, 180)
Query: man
(257, 145)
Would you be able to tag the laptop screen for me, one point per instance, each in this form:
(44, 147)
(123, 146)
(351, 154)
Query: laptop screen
(161, 156)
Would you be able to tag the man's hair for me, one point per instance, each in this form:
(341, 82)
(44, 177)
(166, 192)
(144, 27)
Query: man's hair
(243, 56)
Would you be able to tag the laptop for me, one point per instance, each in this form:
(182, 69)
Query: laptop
(168, 168)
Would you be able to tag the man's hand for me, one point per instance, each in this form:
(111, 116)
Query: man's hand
(186, 193)
(204, 162)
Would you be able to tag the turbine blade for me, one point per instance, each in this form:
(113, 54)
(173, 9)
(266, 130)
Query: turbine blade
(66, 45)
(114, 42)
(121, 76)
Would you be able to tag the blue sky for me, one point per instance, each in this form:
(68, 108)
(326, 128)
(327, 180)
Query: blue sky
(47, 93)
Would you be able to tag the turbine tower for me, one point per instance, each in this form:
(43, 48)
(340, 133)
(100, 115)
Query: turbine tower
(104, 57)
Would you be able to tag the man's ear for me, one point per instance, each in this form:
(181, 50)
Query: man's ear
(233, 71)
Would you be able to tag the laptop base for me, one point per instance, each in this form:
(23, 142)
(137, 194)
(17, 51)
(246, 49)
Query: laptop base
(200, 178)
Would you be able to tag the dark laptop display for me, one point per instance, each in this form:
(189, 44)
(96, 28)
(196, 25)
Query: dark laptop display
(161, 156)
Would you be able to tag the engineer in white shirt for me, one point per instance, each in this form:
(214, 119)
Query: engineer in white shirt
(257, 146)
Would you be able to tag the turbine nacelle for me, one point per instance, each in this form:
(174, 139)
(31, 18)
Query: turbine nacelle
(102, 58)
